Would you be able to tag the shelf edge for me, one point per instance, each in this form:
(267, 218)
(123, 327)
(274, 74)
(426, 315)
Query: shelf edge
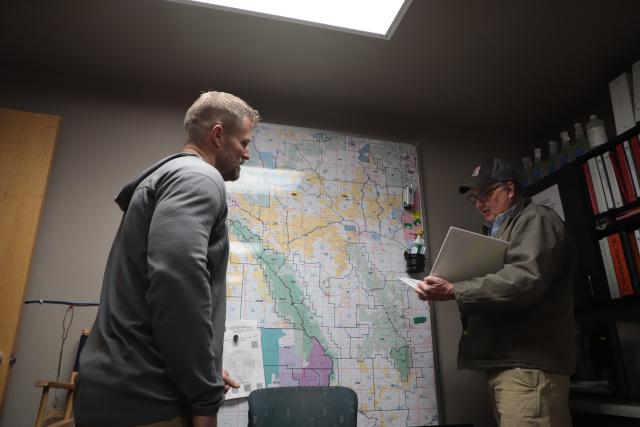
(621, 409)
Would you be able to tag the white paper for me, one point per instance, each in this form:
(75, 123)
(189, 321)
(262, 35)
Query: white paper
(242, 357)
(550, 197)
(409, 281)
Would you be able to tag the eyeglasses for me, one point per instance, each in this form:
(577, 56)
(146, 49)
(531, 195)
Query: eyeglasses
(483, 196)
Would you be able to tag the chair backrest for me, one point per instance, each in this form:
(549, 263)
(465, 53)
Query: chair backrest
(66, 418)
(303, 406)
(83, 341)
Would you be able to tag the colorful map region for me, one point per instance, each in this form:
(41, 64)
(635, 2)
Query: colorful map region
(318, 232)
(287, 365)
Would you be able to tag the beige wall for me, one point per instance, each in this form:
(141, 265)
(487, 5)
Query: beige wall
(104, 141)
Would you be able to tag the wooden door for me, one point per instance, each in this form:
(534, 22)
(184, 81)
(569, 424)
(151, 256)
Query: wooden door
(26, 152)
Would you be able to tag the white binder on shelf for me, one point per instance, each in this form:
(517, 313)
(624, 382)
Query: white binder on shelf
(605, 182)
(612, 281)
(616, 194)
(597, 185)
(632, 167)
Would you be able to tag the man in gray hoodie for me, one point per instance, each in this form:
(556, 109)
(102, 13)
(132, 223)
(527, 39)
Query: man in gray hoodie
(154, 354)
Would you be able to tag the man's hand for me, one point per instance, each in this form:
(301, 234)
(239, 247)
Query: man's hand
(228, 382)
(204, 421)
(434, 289)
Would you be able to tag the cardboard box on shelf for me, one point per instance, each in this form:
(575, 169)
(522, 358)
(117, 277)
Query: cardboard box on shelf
(620, 89)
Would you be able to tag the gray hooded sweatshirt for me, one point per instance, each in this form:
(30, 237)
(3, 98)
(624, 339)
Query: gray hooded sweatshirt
(155, 349)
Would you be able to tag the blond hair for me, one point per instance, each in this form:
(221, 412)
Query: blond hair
(216, 107)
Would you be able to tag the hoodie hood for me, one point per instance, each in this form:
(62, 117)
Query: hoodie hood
(124, 197)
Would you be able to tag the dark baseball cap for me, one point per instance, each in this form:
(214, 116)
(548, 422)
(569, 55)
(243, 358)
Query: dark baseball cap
(488, 172)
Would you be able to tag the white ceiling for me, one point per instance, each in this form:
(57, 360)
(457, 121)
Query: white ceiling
(520, 66)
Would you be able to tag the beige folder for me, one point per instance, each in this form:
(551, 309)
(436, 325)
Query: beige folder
(465, 255)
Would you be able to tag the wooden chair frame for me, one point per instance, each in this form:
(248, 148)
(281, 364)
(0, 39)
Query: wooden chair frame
(46, 385)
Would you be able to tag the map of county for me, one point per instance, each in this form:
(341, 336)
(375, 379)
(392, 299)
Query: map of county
(318, 234)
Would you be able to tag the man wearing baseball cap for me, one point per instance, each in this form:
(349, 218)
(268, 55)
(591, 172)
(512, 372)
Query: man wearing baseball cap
(518, 323)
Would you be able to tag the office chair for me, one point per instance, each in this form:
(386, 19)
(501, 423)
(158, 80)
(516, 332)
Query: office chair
(69, 386)
(303, 406)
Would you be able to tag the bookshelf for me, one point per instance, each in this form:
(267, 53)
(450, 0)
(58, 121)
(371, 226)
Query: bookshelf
(608, 322)
(588, 228)
(552, 178)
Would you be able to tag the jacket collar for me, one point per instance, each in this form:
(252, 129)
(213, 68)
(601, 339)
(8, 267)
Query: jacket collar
(515, 210)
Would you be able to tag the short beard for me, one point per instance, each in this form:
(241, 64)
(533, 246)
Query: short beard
(232, 175)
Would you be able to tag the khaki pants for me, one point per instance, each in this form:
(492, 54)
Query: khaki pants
(529, 397)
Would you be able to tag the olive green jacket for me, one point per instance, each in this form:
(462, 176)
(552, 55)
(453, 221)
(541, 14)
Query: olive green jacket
(522, 316)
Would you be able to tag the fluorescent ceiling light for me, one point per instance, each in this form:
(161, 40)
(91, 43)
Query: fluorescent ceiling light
(377, 18)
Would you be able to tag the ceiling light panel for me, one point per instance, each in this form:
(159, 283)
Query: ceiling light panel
(370, 17)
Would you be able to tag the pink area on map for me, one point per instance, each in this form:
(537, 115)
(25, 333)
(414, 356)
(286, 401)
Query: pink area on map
(294, 373)
(408, 233)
